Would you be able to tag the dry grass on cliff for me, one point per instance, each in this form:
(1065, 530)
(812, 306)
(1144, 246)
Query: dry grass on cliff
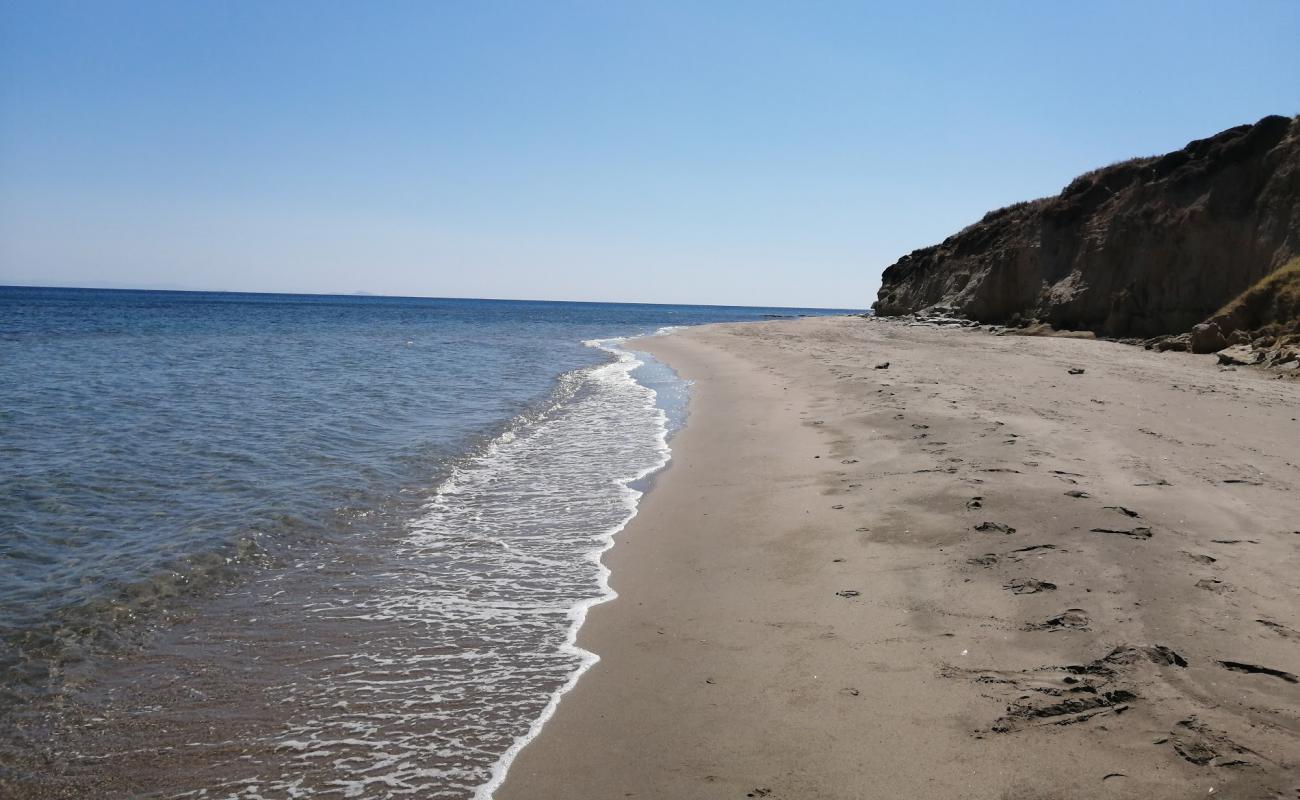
(1114, 165)
(1004, 211)
(1274, 300)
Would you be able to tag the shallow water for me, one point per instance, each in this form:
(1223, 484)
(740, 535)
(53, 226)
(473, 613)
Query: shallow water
(270, 546)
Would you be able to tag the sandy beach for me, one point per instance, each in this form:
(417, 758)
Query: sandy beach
(968, 574)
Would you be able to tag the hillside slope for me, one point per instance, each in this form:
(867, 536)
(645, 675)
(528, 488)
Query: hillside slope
(1141, 248)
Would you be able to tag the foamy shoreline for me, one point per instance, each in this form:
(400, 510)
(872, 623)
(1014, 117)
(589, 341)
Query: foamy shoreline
(627, 361)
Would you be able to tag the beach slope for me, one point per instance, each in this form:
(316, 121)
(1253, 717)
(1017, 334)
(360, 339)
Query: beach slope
(974, 573)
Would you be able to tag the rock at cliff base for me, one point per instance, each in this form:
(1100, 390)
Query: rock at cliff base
(1180, 343)
(1207, 338)
(1239, 355)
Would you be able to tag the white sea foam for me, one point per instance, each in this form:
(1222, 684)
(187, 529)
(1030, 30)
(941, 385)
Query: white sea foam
(468, 642)
(621, 373)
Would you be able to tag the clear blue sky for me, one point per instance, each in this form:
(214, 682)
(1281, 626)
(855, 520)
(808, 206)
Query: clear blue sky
(721, 152)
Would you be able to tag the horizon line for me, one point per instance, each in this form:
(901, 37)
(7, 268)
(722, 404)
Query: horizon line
(364, 294)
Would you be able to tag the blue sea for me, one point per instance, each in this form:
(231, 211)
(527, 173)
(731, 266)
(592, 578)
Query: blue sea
(284, 546)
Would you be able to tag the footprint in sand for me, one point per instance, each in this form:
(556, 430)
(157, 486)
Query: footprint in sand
(1255, 669)
(1132, 533)
(1015, 555)
(1279, 629)
(1071, 619)
(1200, 745)
(1128, 512)
(1028, 586)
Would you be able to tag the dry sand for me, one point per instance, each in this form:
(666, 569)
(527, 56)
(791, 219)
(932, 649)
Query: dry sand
(875, 583)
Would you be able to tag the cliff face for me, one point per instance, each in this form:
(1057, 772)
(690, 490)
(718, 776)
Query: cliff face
(1145, 247)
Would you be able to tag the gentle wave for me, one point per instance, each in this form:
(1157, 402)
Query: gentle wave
(480, 607)
(627, 362)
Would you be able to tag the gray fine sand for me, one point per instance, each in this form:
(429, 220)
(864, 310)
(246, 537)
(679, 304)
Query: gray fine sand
(969, 575)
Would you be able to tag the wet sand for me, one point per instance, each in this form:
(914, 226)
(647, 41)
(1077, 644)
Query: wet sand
(969, 575)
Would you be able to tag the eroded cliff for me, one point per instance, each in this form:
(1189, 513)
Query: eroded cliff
(1142, 248)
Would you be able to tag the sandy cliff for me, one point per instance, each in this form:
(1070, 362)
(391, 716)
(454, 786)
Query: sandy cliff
(1142, 248)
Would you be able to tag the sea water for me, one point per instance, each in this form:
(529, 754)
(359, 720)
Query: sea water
(307, 546)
